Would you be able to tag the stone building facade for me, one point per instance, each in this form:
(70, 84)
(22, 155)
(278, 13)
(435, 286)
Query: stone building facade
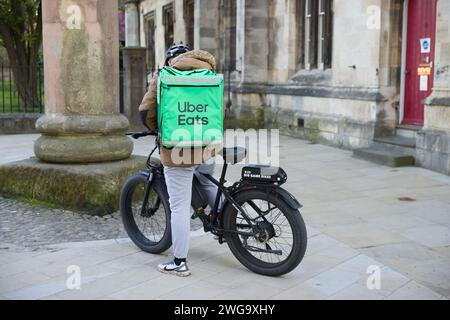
(371, 75)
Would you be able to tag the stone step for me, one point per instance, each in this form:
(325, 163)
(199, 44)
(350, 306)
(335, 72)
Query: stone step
(384, 156)
(393, 147)
(407, 131)
(397, 141)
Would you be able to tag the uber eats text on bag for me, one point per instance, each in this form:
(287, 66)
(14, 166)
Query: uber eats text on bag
(190, 107)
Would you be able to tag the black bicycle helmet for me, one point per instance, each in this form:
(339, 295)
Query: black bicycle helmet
(175, 50)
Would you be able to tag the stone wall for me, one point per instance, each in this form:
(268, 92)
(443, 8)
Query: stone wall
(342, 122)
(148, 6)
(16, 123)
(346, 105)
(252, 41)
(283, 40)
(365, 68)
(361, 90)
(206, 27)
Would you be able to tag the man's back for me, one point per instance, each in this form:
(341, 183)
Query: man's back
(192, 60)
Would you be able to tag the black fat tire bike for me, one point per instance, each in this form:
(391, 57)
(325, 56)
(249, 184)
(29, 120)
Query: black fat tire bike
(259, 220)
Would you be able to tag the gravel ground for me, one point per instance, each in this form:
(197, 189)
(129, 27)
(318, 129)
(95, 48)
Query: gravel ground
(32, 226)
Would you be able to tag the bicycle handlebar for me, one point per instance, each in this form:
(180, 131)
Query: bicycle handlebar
(137, 135)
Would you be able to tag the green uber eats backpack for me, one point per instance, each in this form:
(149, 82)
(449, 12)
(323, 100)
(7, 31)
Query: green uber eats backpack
(190, 108)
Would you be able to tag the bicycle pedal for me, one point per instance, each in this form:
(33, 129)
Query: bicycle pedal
(207, 228)
(220, 239)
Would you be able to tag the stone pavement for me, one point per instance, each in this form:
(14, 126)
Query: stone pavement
(359, 215)
(34, 226)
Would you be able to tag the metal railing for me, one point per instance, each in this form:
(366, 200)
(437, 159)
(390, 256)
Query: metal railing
(10, 101)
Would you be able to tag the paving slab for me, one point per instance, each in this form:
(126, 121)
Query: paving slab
(414, 290)
(358, 214)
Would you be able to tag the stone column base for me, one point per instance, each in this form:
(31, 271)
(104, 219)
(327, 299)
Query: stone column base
(94, 188)
(82, 149)
(82, 138)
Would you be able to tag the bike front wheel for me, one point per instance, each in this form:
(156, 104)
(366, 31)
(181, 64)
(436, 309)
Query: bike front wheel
(147, 224)
(278, 243)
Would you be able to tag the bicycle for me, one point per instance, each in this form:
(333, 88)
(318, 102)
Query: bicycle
(246, 220)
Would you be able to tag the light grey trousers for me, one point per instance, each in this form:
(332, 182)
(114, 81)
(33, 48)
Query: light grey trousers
(179, 187)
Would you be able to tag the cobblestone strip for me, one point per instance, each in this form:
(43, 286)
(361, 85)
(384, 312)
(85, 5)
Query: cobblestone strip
(33, 226)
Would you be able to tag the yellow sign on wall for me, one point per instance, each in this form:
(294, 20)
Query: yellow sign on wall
(424, 71)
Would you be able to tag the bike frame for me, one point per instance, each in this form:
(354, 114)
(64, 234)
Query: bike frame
(222, 190)
(214, 224)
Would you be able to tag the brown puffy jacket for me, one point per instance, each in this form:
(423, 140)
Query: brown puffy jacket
(197, 59)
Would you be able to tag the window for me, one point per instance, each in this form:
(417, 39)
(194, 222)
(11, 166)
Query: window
(150, 40)
(325, 31)
(189, 21)
(168, 22)
(315, 19)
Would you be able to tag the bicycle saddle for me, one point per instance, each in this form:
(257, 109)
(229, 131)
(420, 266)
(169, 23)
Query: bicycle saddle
(233, 155)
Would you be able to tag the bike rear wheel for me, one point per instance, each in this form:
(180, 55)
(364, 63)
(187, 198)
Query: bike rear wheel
(280, 243)
(150, 228)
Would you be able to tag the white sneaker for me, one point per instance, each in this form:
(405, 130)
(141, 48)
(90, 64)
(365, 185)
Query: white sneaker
(170, 267)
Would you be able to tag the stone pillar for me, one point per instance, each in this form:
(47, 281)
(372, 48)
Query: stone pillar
(252, 56)
(440, 98)
(134, 84)
(82, 122)
(252, 47)
(132, 23)
(206, 17)
(433, 141)
(134, 65)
